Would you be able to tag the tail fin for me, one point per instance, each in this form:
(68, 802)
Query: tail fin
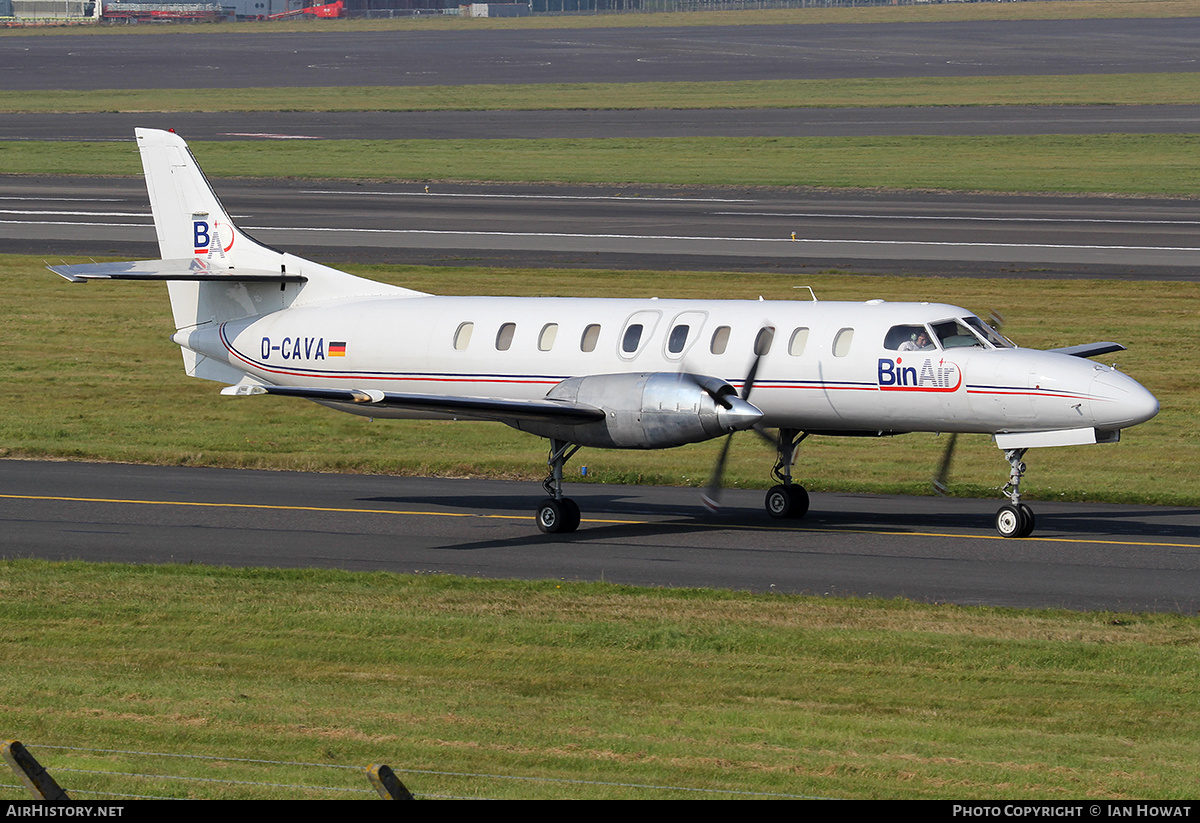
(215, 272)
(195, 230)
(188, 215)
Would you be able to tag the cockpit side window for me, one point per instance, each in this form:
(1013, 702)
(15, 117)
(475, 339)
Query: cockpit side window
(908, 338)
(953, 334)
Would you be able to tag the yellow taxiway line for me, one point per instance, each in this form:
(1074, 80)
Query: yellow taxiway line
(698, 524)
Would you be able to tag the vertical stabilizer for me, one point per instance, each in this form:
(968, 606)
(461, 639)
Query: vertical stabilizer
(188, 215)
(194, 228)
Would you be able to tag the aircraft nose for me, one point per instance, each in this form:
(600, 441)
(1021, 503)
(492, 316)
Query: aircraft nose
(739, 416)
(1121, 401)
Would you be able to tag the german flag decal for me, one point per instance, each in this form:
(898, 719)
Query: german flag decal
(337, 349)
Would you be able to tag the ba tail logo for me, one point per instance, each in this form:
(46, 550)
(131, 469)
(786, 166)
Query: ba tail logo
(929, 376)
(217, 238)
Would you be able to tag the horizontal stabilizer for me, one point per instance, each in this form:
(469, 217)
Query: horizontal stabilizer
(476, 407)
(1089, 349)
(187, 269)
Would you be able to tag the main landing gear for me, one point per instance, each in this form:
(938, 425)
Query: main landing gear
(557, 514)
(1014, 519)
(787, 500)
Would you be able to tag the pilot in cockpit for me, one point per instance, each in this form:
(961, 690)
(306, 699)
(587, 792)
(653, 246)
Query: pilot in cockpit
(917, 342)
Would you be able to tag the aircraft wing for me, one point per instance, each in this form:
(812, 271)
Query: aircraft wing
(475, 407)
(1089, 349)
(183, 269)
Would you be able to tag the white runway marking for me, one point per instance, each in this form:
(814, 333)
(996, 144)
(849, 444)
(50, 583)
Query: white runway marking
(951, 219)
(631, 198)
(686, 238)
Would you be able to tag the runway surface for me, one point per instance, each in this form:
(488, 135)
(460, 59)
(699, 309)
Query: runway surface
(1083, 556)
(637, 227)
(625, 55)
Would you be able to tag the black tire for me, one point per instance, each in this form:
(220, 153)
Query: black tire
(799, 501)
(557, 516)
(1010, 521)
(572, 514)
(1030, 520)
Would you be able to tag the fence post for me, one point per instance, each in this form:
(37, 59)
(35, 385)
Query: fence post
(387, 784)
(35, 778)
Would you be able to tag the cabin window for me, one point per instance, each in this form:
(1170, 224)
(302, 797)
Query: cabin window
(633, 336)
(504, 337)
(546, 338)
(798, 341)
(842, 341)
(637, 332)
(762, 343)
(678, 339)
(463, 336)
(720, 340)
(908, 338)
(591, 336)
(685, 329)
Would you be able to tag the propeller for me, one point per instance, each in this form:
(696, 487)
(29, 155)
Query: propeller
(942, 478)
(712, 493)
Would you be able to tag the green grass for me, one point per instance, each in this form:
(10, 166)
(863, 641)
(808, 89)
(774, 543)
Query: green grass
(1059, 90)
(89, 373)
(618, 687)
(1117, 163)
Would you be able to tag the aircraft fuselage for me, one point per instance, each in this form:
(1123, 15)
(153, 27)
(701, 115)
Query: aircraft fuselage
(828, 366)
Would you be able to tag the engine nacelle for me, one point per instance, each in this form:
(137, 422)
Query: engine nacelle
(649, 411)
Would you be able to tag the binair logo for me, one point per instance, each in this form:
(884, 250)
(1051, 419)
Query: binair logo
(929, 376)
(208, 239)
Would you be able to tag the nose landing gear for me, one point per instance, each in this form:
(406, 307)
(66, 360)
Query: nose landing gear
(1014, 519)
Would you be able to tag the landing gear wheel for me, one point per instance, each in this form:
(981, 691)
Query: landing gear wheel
(1012, 522)
(1029, 520)
(778, 502)
(789, 501)
(557, 516)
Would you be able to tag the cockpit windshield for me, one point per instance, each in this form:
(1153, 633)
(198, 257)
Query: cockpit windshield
(954, 334)
(989, 334)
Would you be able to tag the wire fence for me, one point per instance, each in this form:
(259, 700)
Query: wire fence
(154, 779)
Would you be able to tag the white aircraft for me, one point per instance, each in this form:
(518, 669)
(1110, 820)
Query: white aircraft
(608, 373)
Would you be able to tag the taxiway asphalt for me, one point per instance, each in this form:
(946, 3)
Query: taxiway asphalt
(174, 59)
(1082, 557)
